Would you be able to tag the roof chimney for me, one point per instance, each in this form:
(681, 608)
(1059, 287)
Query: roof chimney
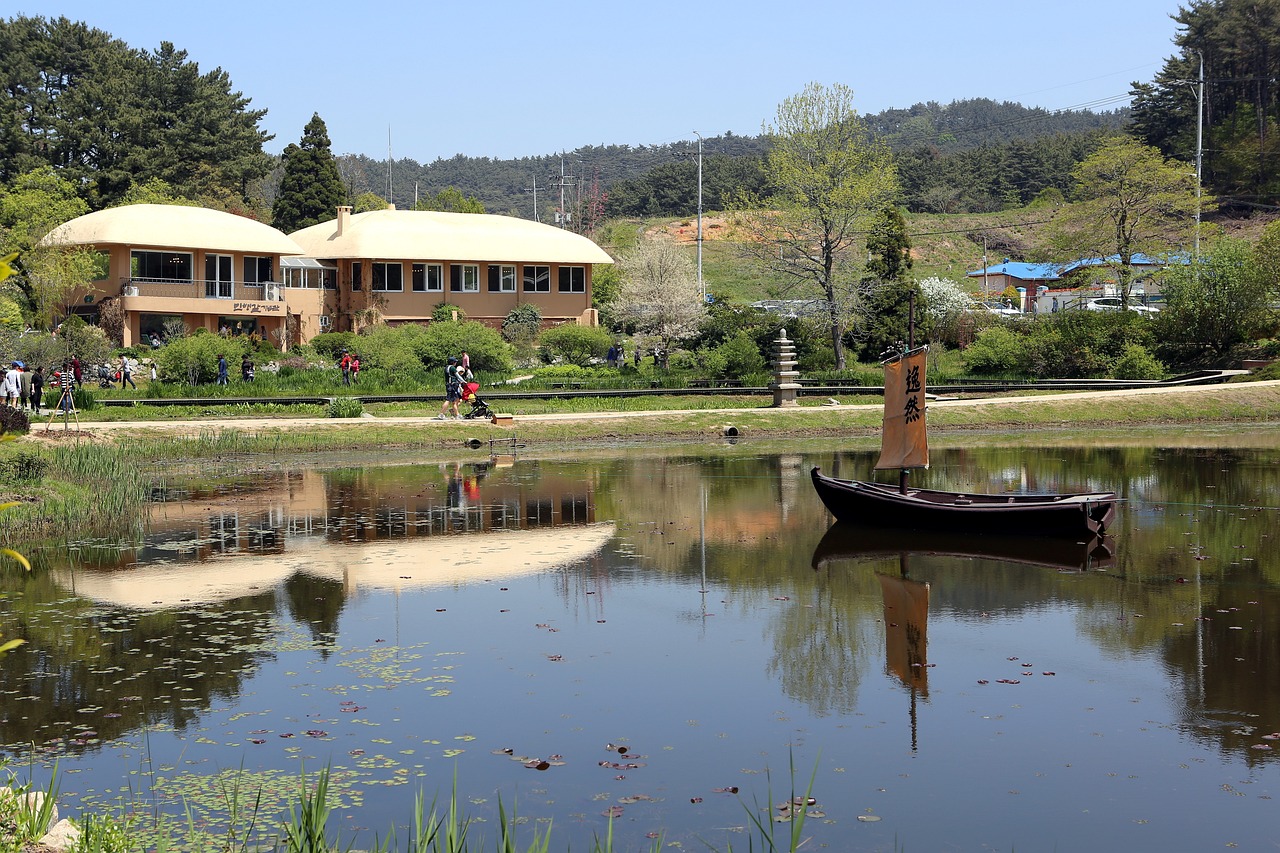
(344, 217)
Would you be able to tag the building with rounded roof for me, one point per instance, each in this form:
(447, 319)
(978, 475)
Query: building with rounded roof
(213, 270)
(171, 263)
(402, 264)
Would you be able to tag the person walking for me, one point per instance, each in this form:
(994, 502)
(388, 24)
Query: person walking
(37, 389)
(344, 364)
(355, 368)
(126, 373)
(77, 373)
(246, 369)
(12, 384)
(24, 386)
(223, 375)
(452, 390)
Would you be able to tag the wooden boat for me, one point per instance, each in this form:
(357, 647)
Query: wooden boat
(904, 445)
(854, 501)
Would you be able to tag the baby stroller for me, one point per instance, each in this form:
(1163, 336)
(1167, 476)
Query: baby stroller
(106, 379)
(479, 408)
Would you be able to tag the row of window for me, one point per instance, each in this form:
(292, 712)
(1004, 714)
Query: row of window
(177, 266)
(465, 278)
(386, 277)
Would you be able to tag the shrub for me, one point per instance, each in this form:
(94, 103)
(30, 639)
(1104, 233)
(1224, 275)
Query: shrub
(576, 344)
(345, 407)
(741, 356)
(487, 349)
(14, 421)
(1137, 363)
(443, 313)
(522, 323)
(194, 360)
(996, 350)
(330, 344)
(23, 466)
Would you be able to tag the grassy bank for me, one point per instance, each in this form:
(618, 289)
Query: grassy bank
(100, 478)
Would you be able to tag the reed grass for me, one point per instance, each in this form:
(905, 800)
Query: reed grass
(439, 828)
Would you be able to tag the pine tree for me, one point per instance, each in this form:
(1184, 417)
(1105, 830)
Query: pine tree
(311, 188)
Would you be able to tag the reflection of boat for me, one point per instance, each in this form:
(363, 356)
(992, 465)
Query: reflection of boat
(904, 445)
(383, 564)
(851, 542)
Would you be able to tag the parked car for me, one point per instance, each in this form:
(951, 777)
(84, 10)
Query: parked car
(1113, 303)
(994, 306)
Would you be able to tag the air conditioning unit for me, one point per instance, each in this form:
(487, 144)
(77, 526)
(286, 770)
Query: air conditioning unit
(271, 291)
(129, 290)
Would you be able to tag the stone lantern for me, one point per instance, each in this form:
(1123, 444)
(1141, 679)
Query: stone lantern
(785, 376)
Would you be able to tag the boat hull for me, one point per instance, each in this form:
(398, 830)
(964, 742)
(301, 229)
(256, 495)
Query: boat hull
(859, 502)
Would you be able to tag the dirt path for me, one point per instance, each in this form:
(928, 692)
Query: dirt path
(197, 427)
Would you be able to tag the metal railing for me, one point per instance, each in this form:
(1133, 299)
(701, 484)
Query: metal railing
(198, 289)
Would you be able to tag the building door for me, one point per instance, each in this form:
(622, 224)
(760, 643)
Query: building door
(217, 276)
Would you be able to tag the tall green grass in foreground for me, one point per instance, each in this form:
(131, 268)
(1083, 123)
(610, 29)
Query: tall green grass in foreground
(438, 828)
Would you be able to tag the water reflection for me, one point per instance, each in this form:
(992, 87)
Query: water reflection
(686, 612)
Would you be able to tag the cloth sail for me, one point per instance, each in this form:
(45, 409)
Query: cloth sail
(903, 439)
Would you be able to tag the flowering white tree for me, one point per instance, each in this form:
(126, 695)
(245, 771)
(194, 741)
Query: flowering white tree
(659, 293)
(945, 302)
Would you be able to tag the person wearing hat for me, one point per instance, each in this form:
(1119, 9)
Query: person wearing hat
(12, 384)
(452, 389)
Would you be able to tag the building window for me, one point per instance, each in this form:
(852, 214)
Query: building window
(161, 266)
(357, 275)
(388, 277)
(573, 279)
(537, 279)
(464, 278)
(257, 269)
(428, 277)
(502, 279)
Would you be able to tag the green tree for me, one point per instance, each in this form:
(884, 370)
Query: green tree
(107, 116)
(1213, 306)
(1128, 199)
(888, 312)
(451, 200)
(311, 189)
(829, 175)
(35, 204)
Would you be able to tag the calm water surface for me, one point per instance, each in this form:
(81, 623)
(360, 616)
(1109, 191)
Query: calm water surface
(659, 628)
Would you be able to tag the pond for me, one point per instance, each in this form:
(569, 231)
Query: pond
(666, 643)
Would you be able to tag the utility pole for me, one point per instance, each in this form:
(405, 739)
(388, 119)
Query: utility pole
(536, 217)
(702, 287)
(1199, 154)
(562, 182)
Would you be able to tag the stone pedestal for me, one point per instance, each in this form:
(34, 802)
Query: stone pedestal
(784, 384)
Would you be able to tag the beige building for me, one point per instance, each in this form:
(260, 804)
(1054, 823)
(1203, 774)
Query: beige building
(208, 269)
(225, 273)
(401, 264)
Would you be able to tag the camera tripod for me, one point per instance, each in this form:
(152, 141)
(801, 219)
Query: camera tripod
(66, 406)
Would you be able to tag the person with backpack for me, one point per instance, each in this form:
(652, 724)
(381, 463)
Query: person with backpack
(452, 389)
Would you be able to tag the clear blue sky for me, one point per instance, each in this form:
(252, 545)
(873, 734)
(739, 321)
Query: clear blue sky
(510, 79)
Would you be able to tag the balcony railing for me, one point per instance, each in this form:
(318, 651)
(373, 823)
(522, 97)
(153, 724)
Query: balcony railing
(201, 289)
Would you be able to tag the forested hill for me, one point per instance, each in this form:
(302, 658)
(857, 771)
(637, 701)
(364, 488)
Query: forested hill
(654, 178)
